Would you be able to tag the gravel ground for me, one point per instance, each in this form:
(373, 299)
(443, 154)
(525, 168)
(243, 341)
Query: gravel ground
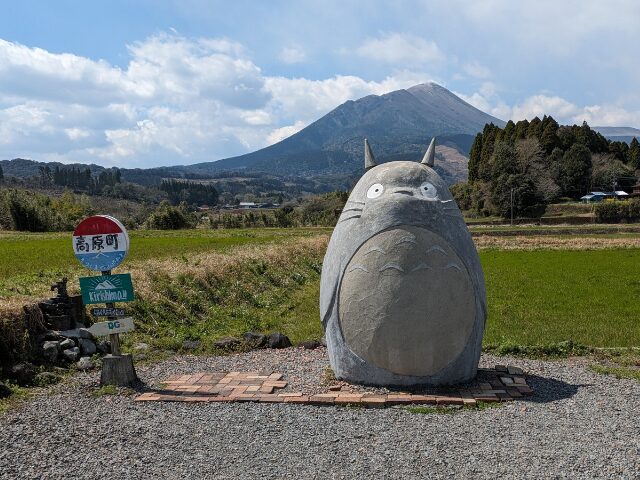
(578, 425)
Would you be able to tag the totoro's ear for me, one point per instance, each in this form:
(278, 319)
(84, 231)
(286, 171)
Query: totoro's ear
(430, 155)
(369, 159)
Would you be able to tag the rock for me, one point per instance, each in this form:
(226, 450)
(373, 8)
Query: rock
(104, 347)
(46, 378)
(278, 340)
(139, 346)
(87, 346)
(49, 335)
(50, 350)
(71, 354)
(255, 340)
(67, 343)
(227, 343)
(310, 344)
(23, 373)
(77, 333)
(4, 390)
(85, 363)
(191, 344)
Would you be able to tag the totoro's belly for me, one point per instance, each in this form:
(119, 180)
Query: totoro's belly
(406, 302)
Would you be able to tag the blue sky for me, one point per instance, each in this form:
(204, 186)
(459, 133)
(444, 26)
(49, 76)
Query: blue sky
(145, 83)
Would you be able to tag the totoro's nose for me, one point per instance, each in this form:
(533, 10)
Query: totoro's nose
(403, 191)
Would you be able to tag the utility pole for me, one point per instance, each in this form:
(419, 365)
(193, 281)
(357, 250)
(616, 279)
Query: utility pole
(512, 206)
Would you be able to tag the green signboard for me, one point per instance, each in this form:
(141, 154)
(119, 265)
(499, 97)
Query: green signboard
(106, 289)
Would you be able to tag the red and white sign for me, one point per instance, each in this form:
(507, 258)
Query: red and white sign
(100, 242)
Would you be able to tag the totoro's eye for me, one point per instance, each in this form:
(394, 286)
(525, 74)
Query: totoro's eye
(428, 190)
(375, 190)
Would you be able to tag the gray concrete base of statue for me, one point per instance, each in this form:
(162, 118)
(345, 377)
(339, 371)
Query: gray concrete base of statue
(402, 293)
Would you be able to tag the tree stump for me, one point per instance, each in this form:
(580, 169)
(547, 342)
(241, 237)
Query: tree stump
(118, 370)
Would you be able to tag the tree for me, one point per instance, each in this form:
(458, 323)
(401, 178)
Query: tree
(633, 154)
(504, 160)
(475, 157)
(549, 139)
(518, 191)
(574, 173)
(167, 217)
(606, 170)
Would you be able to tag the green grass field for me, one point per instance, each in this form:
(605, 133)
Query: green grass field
(30, 260)
(541, 297)
(537, 297)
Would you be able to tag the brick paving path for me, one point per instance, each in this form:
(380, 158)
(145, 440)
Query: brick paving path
(500, 384)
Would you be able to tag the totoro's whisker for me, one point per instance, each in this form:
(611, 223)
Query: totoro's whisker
(391, 266)
(437, 248)
(355, 201)
(354, 209)
(421, 266)
(445, 201)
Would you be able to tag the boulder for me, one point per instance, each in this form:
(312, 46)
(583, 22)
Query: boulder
(23, 373)
(50, 350)
(255, 340)
(191, 344)
(71, 354)
(49, 335)
(227, 343)
(46, 378)
(67, 343)
(77, 333)
(87, 346)
(85, 363)
(310, 344)
(104, 347)
(278, 340)
(140, 346)
(4, 390)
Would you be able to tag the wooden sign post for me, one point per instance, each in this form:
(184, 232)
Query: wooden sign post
(101, 243)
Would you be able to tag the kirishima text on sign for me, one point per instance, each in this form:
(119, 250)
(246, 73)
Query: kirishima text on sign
(106, 289)
(100, 242)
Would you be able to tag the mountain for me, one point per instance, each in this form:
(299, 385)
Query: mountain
(399, 124)
(20, 167)
(619, 134)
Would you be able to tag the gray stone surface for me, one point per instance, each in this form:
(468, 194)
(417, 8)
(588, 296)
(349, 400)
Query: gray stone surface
(67, 343)
(85, 363)
(77, 333)
(278, 340)
(50, 350)
(402, 296)
(87, 346)
(71, 354)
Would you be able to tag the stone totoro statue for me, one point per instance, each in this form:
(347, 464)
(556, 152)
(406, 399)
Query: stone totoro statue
(402, 296)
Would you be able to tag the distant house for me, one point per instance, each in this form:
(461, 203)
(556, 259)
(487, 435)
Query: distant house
(247, 205)
(592, 197)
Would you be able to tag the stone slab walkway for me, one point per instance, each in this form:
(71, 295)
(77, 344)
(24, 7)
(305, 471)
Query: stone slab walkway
(500, 384)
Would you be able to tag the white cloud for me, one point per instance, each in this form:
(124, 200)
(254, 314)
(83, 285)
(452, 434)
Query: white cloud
(178, 100)
(284, 132)
(293, 54)
(477, 70)
(401, 49)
